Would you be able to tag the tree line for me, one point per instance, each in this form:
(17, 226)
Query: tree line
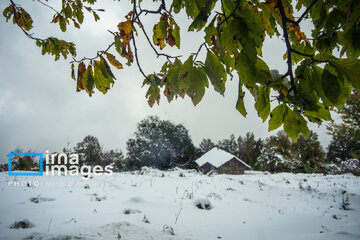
(163, 144)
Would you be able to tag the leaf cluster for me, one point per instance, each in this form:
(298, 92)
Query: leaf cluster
(322, 69)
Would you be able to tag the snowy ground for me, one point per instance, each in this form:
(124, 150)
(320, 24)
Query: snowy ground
(149, 206)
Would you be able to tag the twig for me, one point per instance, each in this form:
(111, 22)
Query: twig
(297, 22)
(305, 12)
(73, 219)
(178, 214)
(198, 51)
(46, 5)
(156, 52)
(231, 14)
(50, 224)
(308, 55)
(136, 17)
(99, 54)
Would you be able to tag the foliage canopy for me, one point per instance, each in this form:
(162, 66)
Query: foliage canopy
(322, 68)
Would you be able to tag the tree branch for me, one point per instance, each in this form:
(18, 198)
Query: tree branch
(198, 51)
(137, 57)
(99, 54)
(26, 33)
(134, 17)
(231, 14)
(311, 56)
(305, 12)
(288, 45)
(156, 52)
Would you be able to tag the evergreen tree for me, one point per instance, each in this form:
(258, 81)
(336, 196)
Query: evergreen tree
(113, 157)
(160, 144)
(309, 152)
(345, 143)
(205, 146)
(229, 145)
(89, 151)
(280, 151)
(249, 149)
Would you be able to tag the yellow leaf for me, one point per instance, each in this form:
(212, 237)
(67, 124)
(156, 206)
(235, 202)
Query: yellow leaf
(113, 61)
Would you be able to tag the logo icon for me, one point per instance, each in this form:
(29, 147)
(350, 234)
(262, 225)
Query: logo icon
(16, 153)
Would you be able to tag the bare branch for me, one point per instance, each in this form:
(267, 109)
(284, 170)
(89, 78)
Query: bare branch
(134, 17)
(47, 5)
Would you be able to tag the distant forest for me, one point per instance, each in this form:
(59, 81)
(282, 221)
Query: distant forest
(163, 144)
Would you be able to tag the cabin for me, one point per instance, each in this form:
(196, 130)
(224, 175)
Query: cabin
(222, 162)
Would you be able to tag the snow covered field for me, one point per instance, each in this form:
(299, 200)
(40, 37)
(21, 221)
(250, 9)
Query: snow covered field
(155, 205)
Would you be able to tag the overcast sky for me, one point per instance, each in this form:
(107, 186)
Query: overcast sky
(40, 109)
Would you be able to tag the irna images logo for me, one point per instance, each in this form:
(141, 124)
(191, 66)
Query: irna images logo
(16, 153)
(55, 164)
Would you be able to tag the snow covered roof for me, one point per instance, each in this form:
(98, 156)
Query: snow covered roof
(217, 157)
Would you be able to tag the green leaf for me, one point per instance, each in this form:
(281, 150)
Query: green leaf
(191, 8)
(321, 114)
(192, 80)
(262, 104)
(335, 90)
(177, 5)
(96, 16)
(104, 79)
(294, 124)
(153, 95)
(246, 70)
(199, 22)
(216, 72)
(88, 80)
(184, 72)
(350, 68)
(277, 117)
(80, 16)
(160, 31)
(198, 83)
(62, 24)
(240, 102)
(175, 32)
(68, 11)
